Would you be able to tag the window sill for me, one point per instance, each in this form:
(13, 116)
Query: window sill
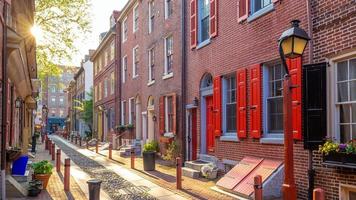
(229, 138)
(273, 140)
(168, 135)
(134, 77)
(260, 13)
(167, 76)
(151, 83)
(203, 44)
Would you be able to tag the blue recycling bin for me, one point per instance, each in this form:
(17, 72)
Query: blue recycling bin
(19, 166)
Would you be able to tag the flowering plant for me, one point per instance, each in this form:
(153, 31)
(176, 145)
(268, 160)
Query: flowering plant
(332, 146)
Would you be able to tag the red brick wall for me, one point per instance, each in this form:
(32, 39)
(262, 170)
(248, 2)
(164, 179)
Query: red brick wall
(138, 86)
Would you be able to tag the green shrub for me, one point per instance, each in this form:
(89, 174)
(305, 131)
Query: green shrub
(151, 147)
(172, 152)
(42, 167)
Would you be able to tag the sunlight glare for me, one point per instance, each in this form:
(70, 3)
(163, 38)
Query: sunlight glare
(37, 32)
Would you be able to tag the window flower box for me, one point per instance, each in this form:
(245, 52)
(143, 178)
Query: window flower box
(339, 154)
(340, 159)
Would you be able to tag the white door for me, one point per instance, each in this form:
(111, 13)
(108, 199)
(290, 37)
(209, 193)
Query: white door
(150, 123)
(138, 122)
(144, 127)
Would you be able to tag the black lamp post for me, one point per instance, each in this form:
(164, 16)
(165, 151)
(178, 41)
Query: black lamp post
(291, 45)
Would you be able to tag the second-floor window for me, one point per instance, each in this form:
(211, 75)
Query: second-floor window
(168, 65)
(112, 50)
(169, 114)
(135, 66)
(123, 112)
(168, 5)
(124, 69)
(151, 15)
(257, 5)
(105, 87)
(132, 110)
(151, 64)
(230, 104)
(112, 83)
(124, 30)
(204, 19)
(135, 18)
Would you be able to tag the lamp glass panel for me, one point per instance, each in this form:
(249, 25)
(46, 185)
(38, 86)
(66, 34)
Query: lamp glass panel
(299, 45)
(287, 46)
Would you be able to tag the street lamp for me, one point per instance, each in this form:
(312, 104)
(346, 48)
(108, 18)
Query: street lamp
(292, 44)
(18, 102)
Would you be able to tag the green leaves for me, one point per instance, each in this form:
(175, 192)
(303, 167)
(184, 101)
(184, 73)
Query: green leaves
(42, 167)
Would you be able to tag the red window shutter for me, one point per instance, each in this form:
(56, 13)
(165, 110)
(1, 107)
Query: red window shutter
(161, 115)
(295, 71)
(241, 103)
(174, 102)
(217, 106)
(275, 1)
(213, 18)
(193, 23)
(243, 9)
(255, 101)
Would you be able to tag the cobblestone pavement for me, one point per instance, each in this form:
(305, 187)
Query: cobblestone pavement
(115, 186)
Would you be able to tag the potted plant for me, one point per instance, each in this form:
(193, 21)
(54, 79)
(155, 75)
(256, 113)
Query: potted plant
(173, 151)
(339, 153)
(42, 171)
(149, 155)
(121, 128)
(34, 188)
(130, 127)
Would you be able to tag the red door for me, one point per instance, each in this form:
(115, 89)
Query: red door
(209, 124)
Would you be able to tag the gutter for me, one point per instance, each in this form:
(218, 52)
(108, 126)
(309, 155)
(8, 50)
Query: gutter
(183, 76)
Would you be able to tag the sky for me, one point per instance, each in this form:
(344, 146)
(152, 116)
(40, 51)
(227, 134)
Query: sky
(101, 11)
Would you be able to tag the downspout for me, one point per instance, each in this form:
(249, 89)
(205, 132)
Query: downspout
(183, 76)
(4, 102)
(311, 171)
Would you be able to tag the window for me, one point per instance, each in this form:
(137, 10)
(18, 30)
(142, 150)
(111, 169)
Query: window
(168, 64)
(112, 83)
(112, 50)
(124, 68)
(169, 114)
(131, 110)
(135, 62)
(346, 99)
(135, 18)
(257, 5)
(274, 99)
(61, 101)
(95, 93)
(53, 100)
(106, 87)
(229, 110)
(168, 5)
(52, 89)
(204, 19)
(151, 64)
(124, 30)
(151, 15)
(61, 113)
(106, 57)
(123, 112)
(100, 90)
(112, 118)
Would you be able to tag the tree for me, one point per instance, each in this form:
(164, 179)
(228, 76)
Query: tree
(61, 22)
(85, 108)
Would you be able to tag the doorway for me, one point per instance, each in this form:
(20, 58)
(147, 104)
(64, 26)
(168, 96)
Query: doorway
(191, 142)
(144, 127)
(209, 124)
(151, 119)
(206, 116)
(138, 125)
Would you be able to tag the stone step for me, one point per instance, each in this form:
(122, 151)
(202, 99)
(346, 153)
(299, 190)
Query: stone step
(191, 173)
(22, 178)
(196, 164)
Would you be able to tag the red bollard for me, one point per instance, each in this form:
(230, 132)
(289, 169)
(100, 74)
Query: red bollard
(110, 151)
(46, 143)
(53, 150)
(97, 146)
(76, 140)
(66, 174)
(58, 161)
(87, 144)
(80, 141)
(318, 194)
(258, 187)
(132, 158)
(71, 138)
(49, 147)
(179, 173)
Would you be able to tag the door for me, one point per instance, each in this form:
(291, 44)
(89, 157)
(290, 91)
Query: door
(209, 124)
(144, 127)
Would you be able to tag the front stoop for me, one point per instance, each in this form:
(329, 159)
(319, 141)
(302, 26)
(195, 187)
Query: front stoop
(14, 189)
(191, 173)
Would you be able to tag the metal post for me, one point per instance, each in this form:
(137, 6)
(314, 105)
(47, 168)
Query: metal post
(258, 187)
(58, 161)
(53, 150)
(66, 174)
(76, 139)
(97, 146)
(132, 158)
(318, 194)
(87, 143)
(179, 173)
(94, 189)
(110, 151)
(80, 141)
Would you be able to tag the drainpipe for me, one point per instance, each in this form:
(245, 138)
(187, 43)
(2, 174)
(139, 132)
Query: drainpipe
(183, 76)
(311, 171)
(3, 106)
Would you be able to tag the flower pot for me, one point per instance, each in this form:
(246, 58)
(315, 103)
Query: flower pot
(33, 191)
(44, 178)
(340, 158)
(149, 161)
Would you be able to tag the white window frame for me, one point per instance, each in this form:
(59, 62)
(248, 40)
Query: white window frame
(151, 16)
(124, 69)
(166, 116)
(112, 50)
(167, 74)
(134, 24)
(112, 83)
(332, 91)
(150, 78)
(124, 30)
(131, 100)
(166, 9)
(200, 41)
(229, 135)
(134, 71)
(106, 92)
(123, 109)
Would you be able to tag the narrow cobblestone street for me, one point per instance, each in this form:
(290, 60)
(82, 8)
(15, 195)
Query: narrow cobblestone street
(113, 184)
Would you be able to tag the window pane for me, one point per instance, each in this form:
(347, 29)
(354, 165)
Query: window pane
(231, 117)
(353, 91)
(342, 71)
(205, 29)
(275, 115)
(353, 69)
(345, 133)
(278, 88)
(344, 114)
(353, 111)
(342, 92)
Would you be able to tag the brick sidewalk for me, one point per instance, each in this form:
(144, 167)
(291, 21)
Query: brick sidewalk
(165, 176)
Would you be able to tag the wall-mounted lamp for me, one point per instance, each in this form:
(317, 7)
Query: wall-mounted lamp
(195, 101)
(154, 118)
(18, 102)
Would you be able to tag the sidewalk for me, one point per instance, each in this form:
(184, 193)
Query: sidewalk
(165, 176)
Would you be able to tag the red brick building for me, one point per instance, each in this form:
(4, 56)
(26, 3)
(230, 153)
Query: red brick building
(104, 61)
(150, 75)
(234, 78)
